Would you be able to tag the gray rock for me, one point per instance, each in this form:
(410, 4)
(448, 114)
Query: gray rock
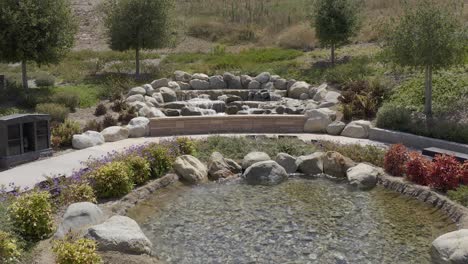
(363, 176)
(332, 97)
(317, 122)
(245, 81)
(254, 157)
(232, 81)
(155, 112)
(254, 85)
(164, 82)
(190, 169)
(311, 164)
(281, 84)
(232, 109)
(171, 112)
(265, 173)
(321, 112)
(181, 76)
(115, 133)
(297, 89)
(184, 86)
(451, 248)
(174, 86)
(138, 127)
(78, 218)
(137, 105)
(151, 101)
(326, 104)
(137, 90)
(335, 128)
(176, 105)
(217, 82)
(87, 139)
(263, 77)
(168, 94)
(357, 129)
(290, 83)
(200, 76)
(149, 89)
(336, 165)
(122, 234)
(135, 98)
(221, 168)
(280, 110)
(273, 78)
(286, 161)
(321, 92)
(159, 98)
(199, 84)
(304, 96)
(268, 86)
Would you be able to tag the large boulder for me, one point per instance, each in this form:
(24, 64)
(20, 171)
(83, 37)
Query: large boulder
(121, 234)
(451, 248)
(320, 92)
(200, 76)
(357, 129)
(311, 164)
(135, 98)
(87, 139)
(78, 218)
(181, 76)
(332, 97)
(254, 157)
(149, 89)
(335, 128)
(363, 176)
(160, 83)
(155, 112)
(115, 133)
(265, 173)
(321, 111)
(168, 94)
(221, 168)
(190, 169)
(217, 82)
(138, 127)
(232, 81)
(254, 85)
(286, 161)
(336, 165)
(198, 84)
(297, 89)
(318, 120)
(263, 77)
(174, 85)
(151, 101)
(245, 81)
(281, 84)
(159, 98)
(137, 90)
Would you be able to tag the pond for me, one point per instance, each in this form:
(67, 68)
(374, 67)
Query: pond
(298, 221)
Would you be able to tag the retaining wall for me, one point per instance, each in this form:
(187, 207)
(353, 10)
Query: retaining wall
(193, 125)
(414, 141)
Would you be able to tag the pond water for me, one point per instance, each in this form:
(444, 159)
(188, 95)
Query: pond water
(298, 221)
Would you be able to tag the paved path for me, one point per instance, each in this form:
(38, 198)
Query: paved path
(29, 174)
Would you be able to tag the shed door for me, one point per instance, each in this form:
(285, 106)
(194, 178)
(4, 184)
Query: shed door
(42, 132)
(14, 140)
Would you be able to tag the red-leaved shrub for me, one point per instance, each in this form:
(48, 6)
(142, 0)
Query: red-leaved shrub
(464, 173)
(445, 173)
(418, 168)
(395, 159)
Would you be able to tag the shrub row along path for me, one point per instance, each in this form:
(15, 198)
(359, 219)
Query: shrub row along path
(27, 175)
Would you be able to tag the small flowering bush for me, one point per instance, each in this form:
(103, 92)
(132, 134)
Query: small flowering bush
(63, 134)
(140, 167)
(112, 180)
(395, 159)
(445, 173)
(161, 159)
(418, 168)
(31, 215)
(81, 251)
(9, 250)
(77, 192)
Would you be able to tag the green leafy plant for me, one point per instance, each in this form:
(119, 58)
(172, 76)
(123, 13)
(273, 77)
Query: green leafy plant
(394, 117)
(160, 158)
(57, 112)
(81, 251)
(45, 80)
(31, 214)
(93, 125)
(9, 250)
(77, 192)
(69, 99)
(185, 146)
(140, 167)
(459, 195)
(63, 133)
(112, 180)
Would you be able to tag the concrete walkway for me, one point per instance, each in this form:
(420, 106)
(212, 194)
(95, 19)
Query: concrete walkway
(29, 174)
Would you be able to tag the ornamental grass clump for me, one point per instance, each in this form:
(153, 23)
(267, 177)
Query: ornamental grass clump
(141, 169)
(81, 251)
(9, 250)
(31, 215)
(112, 180)
(395, 160)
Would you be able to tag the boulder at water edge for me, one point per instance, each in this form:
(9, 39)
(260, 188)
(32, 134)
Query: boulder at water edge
(265, 173)
(451, 248)
(254, 157)
(363, 176)
(78, 218)
(138, 127)
(221, 168)
(311, 164)
(190, 169)
(286, 161)
(336, 165)
(87, 139)
(122, 234)
(115, 133)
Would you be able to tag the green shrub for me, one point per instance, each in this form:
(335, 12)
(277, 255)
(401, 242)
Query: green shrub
(69, 99)
(10, 111)
(109, 121)
(63, 133)
(356, 152)
(185, 146)
(44, 80)
(57, 112)
(119, 105)
(31, 215)
(112, 180)
(77, 192)
(93, 125)
(9, 250)
(141, 169)
(354, 70)
(101, 109)
(460, 195)
(127, 115)
(394, 117)
(81, 251)
(160, 158)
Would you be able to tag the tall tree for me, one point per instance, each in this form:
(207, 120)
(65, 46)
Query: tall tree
(428, 36)
(39, 31)
(335, 21)
(137, 25)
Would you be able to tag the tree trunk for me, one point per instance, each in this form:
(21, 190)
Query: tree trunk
(333, 55)
(428, 92)
(137, 61)
(24, 75)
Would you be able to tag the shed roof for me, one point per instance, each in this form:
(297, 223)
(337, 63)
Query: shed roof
(27, 117)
